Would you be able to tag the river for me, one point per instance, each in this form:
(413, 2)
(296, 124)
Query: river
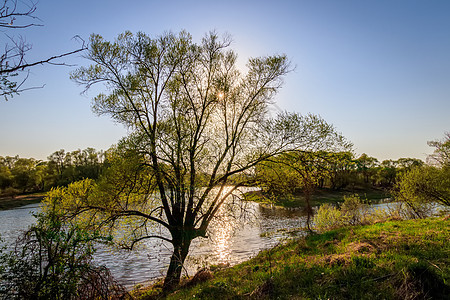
(231, 240)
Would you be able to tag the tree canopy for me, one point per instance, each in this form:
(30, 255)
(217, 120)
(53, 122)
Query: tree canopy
(197, 123)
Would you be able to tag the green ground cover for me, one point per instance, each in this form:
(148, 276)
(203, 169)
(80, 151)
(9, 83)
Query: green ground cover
(391, 260)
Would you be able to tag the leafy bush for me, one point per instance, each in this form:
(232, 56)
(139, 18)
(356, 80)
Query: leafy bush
(352, 212)
(328, 217)
(54, 261)
(421, 187)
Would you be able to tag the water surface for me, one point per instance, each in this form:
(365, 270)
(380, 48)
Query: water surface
(230, 241)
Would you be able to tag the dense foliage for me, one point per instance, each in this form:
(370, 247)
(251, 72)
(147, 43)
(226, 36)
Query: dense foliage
(26, 175)
(288, 174)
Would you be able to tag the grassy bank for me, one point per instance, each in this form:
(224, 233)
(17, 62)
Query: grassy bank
(392, 260)
(21, 200)
(320, 196)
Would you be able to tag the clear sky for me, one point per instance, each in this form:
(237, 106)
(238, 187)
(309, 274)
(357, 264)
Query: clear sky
(378, 70)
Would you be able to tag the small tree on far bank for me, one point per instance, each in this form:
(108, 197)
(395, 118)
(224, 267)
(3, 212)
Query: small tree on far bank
(303, 170)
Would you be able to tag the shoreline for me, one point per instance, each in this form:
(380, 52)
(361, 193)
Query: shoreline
(21, 200)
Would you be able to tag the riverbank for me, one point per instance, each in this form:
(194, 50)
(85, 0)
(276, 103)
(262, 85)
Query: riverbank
(320, 196)
(391, 260)
(20, 200)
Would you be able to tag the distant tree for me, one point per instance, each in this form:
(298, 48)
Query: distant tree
(66, 167)
(309, 167)
(14, 67)
(276, 179)
(303, 170)
(408, 163)
(288, 173)
(56, 166)
(367, 167)
(387, 172)
(87, 163)
(6, 178)
(341, 167)
(24, 174)
(441, 154)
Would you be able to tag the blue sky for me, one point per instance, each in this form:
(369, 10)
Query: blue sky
(378, 70)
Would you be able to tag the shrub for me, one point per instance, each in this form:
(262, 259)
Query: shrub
(328, 217)
(54, 261)
(421, 187)
(352, 212)
(10, 192)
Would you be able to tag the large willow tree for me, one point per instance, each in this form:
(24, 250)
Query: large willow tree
(195, 122)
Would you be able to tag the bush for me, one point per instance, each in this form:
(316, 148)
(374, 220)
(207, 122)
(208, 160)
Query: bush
(54, 261)
(328, 217)
(421, 187)
(352, 212)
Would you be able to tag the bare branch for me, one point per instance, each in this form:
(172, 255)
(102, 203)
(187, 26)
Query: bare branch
(10, 13)
(15, 15)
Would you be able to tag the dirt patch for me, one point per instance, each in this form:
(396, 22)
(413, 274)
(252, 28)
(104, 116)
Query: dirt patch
(337, 259)
(395, 218)
(201, 276)
(362, 247)
(387, 240)
(344, 259)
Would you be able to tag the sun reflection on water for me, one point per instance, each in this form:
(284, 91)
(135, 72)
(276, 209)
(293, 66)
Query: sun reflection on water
(222, 240)
(221, 233)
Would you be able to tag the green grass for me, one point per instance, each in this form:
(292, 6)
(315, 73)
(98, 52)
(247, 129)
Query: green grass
(392, 260)
(21, 200)
(322, 196)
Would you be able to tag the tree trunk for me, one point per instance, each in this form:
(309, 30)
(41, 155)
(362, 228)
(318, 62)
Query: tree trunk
(308, 208)
(180, 252)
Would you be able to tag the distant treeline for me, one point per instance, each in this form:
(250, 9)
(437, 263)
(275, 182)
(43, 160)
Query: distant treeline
(28, 175)
(296, 172)
(335, 170)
